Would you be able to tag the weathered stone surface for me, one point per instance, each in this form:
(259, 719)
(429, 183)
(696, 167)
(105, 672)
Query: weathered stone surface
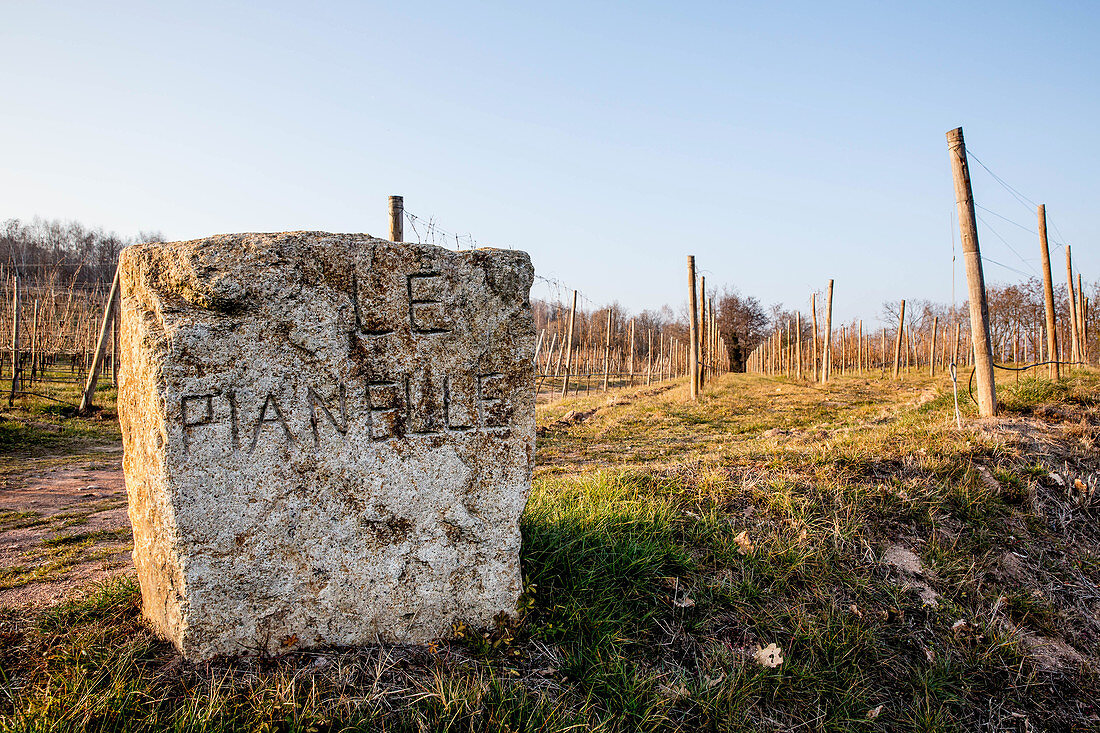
(328, 437)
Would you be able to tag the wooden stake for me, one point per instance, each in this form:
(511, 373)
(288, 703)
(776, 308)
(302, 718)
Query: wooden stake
(649, 360)
(1074, 344)
(631, 352)
(693, 349)
(932, 351)
(100, 347)
(827, 357)
(975, 277)
(813, 319)
(569, 347)
(897, 342)
(1082, 351)
(397, 218)
(1048, 295)
(607, 351)
(34, 342)
(14, 342)
(798, 342)
(859, 348)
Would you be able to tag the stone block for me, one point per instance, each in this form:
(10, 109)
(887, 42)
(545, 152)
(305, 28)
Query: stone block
(328, 437)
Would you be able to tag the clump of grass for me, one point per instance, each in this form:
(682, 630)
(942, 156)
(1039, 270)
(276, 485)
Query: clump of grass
(1032, 391)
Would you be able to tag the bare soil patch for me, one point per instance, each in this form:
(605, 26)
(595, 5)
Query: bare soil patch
(63, 525)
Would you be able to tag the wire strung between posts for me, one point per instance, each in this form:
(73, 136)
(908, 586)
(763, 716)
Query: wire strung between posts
(1024, 200)
(1005, 241)
(432, 229)
(1003, 367)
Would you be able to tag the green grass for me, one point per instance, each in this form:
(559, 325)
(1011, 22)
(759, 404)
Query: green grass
(664, 543)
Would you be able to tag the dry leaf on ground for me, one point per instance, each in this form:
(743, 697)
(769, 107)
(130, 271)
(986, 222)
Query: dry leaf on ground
(770, 656)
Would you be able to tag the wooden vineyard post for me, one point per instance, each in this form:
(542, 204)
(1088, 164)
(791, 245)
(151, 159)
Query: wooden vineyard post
(813, 321)
(100, 347)
(397, 218)
(34, 342)
(607, 351)
(116, 328)
(1073, 343)
(631, 352)
(897, 342)
(883, 350)
(701, 333)
(932, 350)
(569, 347)
(975, 277)
(1048, 296)
(649, 361)
(14, 342)
(1080, 320)
(798, 343)
(693, 349)
(787, 349)
(827, 355)
(859, 348)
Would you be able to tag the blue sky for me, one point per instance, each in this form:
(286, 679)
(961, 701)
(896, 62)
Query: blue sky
(781, 144)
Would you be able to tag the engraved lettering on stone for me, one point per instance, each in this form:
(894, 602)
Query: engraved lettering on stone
(492, 406)
(315, 400)
(459, 414)
(196, 409)
(386, 406)
(277, 417)
(234, 428)
(427, 311)
(305, 471)
(370, 320)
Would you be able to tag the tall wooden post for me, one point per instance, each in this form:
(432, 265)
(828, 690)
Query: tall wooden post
(1085, 325)
(1082, 349)
(859, 348)
(100, 347)
(34, 342)
(397, 218)
(975, 277)
(693, 327)
(569, 347)
(14, 342)
(1048, 295)
(813, 321)
(116, 330)
(631, 352)
(827, 356)
(932, 350)
(1074, 350)
(897, 342)
(798, 343)
(649, 360)
(607, 351)
(701, 333)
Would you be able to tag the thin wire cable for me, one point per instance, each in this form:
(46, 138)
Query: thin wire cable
(1024, 200)
(998, 236)
(1010, 221)
(1001, 264)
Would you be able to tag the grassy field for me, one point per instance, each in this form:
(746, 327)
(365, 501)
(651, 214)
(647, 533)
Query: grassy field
(779, 556)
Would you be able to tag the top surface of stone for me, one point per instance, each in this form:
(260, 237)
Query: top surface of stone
(328, 437)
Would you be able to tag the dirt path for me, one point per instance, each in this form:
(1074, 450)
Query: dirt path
(63, 524)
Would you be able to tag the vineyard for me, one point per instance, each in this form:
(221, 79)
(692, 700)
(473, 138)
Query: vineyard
(743, 517)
